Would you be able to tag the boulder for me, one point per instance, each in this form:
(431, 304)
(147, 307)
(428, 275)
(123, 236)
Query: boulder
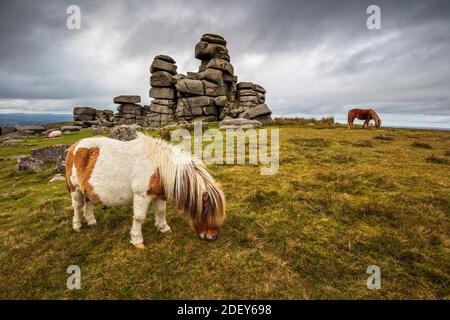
(161, 79)
(220, 101)
(245, 85)
(166, 58)
(267, 119)
(222, 65)
(124, 132)
(210, 111)
(31, 129)
(247, 92)
(238, 123)
(60, 165)
(50, 154)
(179, 76)
(6, 130)
(189, 86)
(201, 101)
(166, 118)
(84, 117)
(213, 90)
(54, 134)
(127, 99)
(259, 88)
(248, 99)
(84, 110)
(27, 163)
(70, 128)
(161, 65)
(129, 108)
(162, 93)
(212, 75)
(157, 108)
(260, 110)
(193, 75)
(164, 102)
(206, 51)
(97, 131)
(213, 38)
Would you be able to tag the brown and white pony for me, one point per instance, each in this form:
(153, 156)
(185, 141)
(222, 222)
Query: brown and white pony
(115, 173)
(363, 114)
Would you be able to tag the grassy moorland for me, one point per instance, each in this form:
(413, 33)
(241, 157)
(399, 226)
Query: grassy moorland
(341, 201)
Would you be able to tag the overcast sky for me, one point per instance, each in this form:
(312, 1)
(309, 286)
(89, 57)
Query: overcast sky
(314, 58)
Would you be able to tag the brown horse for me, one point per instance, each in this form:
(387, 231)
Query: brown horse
(363, 114)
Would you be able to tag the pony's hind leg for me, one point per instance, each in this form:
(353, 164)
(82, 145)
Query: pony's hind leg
(160, 216)
(140, 206)
(89, 212)
(77, 204)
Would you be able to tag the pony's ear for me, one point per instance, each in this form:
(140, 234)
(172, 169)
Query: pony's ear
(219, 185)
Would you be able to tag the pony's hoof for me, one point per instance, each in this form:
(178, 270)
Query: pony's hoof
(92, 224)
(140, 246)
(165, 229)
(77, 229)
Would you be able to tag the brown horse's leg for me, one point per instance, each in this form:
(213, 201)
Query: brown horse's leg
(350, 120)
(366, 124)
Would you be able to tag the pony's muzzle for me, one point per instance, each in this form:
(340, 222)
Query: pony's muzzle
(209, 235)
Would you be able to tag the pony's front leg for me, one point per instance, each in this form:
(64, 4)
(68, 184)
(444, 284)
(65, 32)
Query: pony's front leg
(350, 123)
(366, 124)
(160, 216)
(140, 206)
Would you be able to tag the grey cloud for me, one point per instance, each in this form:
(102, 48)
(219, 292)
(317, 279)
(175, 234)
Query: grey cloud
(316, 57)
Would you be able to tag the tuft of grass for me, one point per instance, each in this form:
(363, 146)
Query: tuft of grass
(384, 137)
(310, 142)
(363, 144)
(438, 160)
(421, 145)
(263, 199)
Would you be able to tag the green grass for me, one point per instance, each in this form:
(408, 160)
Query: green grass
(341, 201)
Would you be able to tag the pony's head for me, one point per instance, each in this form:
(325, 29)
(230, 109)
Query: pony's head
(378, 123)
(202, 199)
(376, 118)
(207, 224)
(187, 181)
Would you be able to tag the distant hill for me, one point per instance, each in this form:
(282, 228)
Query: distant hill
(19, 119)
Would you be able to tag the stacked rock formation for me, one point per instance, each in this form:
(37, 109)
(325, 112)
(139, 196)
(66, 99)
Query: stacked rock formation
(162, 81)
(87, 117)
(203, 95)
(211, 94)
(129, 111)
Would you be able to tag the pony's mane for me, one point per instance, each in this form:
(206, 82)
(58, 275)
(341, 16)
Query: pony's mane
(375, 115)
(186, 180)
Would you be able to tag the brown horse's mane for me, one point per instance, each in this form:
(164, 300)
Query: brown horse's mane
(374, 115)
